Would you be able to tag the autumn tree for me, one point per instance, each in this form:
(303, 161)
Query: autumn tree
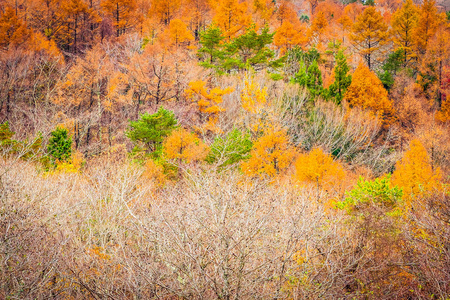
(287, 36)
(342, 79)
(427, 24)
(165, 11)
(271, 154)
(318, 168)
(231, 16)
(404, 22)
(178, 33)
(13, 31)
(122, 13)
(208, 102)
(414, 173)
(367, 91)
(183, 146)
(369, 35)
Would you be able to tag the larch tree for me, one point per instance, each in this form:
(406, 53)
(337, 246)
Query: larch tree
(404, 22)
(232, 17)
(164, 10)
(369, 35)
(367, 91)
(122, 13)
(271, 154)
(178, 33)
(13, 31)
(414, 173)
(288, 36)
(183, 146)
(428, 22)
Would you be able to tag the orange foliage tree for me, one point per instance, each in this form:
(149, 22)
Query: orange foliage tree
(184, 146)
(414, 173)
(288, 35)
(404, 22)
(369, 34)
(429, 21)
(232, 17)
(319, 168)
(178, 33)
(367, 91)
(122, 13)
(208, 103)
(271, 154)
(13, 31)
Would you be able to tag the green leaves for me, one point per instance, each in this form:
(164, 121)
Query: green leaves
(231, 149)
(60, 145)
(341, 78)
(311, 79)
(150, 130)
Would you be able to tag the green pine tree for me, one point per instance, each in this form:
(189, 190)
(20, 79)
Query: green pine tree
(150, 130)
(60, 145)
(211, 50)
(342, 79)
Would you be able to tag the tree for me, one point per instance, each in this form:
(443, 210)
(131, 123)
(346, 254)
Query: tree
(178, 33)
(184, 146)
(208, 103)
(311, 79)
(60, 145)
(230, 149)
(210, 40)
(151, 130)
(318, 168)
(342, 79)
(367, 91)
(271, 154)
(391, 66)
(13, 31)
(232, 17)
(414, 173)
(250, 49)
(122, 13)
(369, 35)
(287, 36)
(428, 22)
(404, 22)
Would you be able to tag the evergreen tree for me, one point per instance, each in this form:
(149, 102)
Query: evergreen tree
(210, 40)
(311, 79)
(341, 78)
(230, 149)
(60, 145)
(150, 130)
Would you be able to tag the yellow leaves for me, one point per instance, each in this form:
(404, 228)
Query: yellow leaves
(414, 173)
(253, 97)
(319, 168)
(67, 167)
(367, 91)
(184, 146)
(271, 154)
(232, 17)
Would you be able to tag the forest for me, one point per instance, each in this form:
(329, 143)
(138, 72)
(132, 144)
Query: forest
(225, 149)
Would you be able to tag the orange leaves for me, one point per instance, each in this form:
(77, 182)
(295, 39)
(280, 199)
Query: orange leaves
(13, 31)
(404, 22)
(271, 154)
(414, 172)
(319, 168)
(208, 103)
(287, 36)
(369, 34)
(367, 91)
(184, 146)
(178, 33)
(232, 17)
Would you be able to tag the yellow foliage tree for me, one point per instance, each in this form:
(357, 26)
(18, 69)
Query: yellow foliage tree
(154, 173)
(208, 103)
(182, 145)
(253, 97)
(319, 168)
(414, 173)
(367, 91)
(271, 154)
(428, 23)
